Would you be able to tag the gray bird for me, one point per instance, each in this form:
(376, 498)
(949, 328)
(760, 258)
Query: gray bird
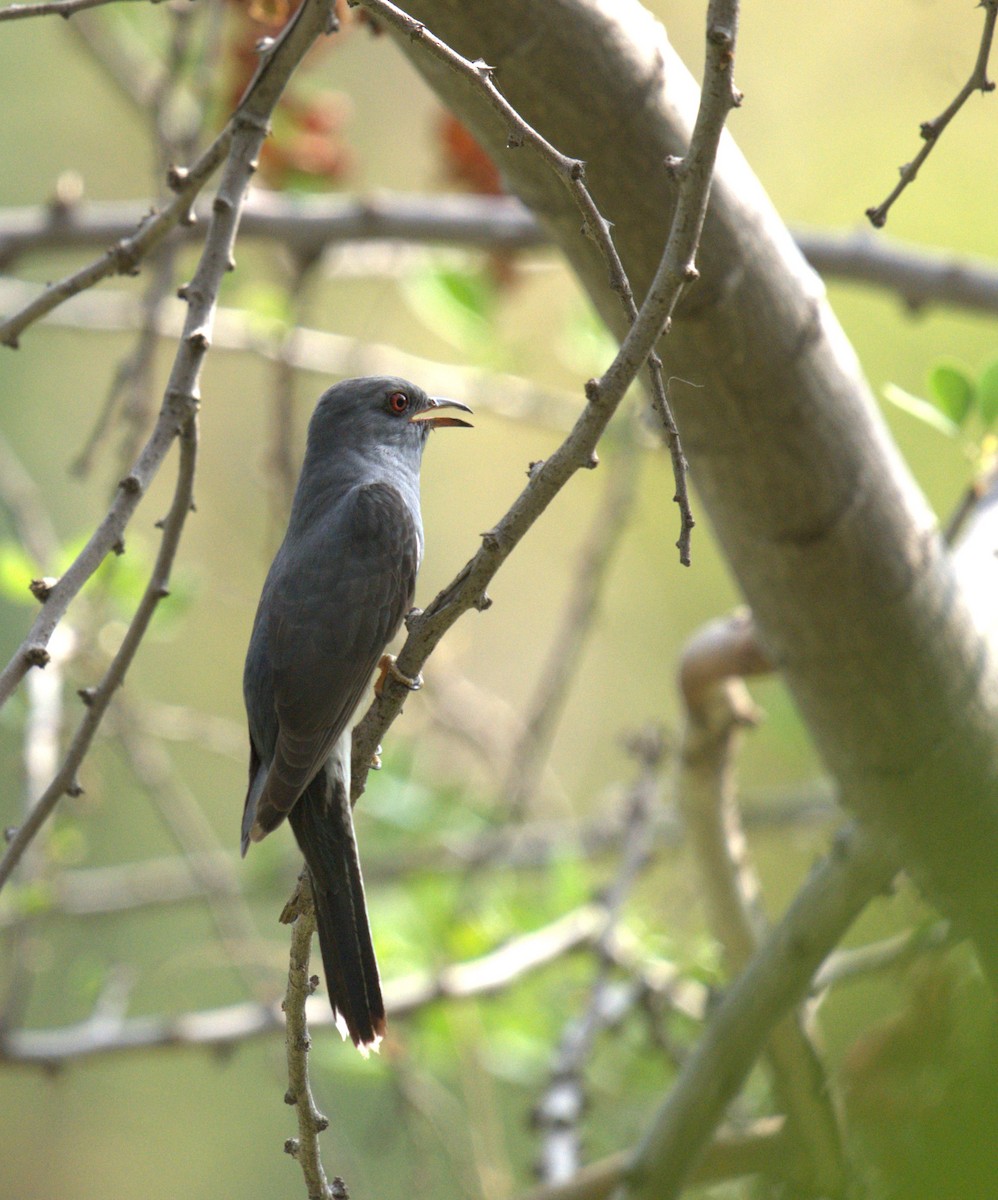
(336, 593)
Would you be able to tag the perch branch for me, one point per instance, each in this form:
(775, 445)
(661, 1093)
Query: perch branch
(300, 915)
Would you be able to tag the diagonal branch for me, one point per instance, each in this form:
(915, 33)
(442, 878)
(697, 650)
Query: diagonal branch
(860, 866)
(715, 106)
(233, 1024)
(932, 130)
(578, 450)
(245, 133)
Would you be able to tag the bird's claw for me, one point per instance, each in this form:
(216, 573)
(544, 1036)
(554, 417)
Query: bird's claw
(387, 667)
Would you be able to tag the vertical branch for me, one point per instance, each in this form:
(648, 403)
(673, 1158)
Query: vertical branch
(300, 915)
(718, 708)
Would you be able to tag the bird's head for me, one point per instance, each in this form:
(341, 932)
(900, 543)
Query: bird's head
(380, 412)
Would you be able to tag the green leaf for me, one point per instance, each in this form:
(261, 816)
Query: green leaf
(952, 389)
(456, 305)
(987, 395)
(921, 409)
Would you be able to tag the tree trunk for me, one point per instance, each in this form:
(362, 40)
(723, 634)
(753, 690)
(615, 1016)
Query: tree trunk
(832, 543)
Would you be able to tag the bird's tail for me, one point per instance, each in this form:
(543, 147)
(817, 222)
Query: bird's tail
(322, 821)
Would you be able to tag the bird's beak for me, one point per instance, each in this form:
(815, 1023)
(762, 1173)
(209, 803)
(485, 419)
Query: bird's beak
(429, 415)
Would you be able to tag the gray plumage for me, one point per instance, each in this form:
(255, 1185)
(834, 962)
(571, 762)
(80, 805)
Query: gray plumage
(336, 594)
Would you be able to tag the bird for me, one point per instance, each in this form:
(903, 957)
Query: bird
(340, 585)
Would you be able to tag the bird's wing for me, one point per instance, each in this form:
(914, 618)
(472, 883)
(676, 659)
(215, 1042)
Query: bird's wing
(337, 602)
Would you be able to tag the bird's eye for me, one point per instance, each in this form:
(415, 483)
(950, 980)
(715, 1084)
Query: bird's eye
(398, 402)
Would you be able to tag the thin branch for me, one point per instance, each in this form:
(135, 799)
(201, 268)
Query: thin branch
(300, 915)
(932, 130)
(124, 257)
(604, 395)
(846, 966)
(718, 708)
(59, 8)
(860, 867)
(222, 1027)
(245, 133)
(559, 1111)
(97, 699)
(128, 887)
(684, 231)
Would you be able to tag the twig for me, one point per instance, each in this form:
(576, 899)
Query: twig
(246, 131)
(124, 256)
(221, 1027)
(60, 8)
(718, 707)
(932, 130)
(97, 699)
(300, 915)
(558, 1112)
(133, 378)
(526, 759)
(860, 866)
(845, 966)
(678, 264)
(604, 395)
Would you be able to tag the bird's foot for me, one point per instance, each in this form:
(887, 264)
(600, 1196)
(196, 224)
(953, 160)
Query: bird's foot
(387, 667)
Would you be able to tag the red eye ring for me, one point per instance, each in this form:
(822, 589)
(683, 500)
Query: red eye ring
(398, 402)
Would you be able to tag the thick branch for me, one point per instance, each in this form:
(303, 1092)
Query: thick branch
(777, 979)
(837, 553)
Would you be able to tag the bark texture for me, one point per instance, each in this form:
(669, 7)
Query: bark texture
(832, 543)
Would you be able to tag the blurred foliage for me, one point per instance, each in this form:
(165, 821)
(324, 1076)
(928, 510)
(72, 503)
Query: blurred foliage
(447, 1107)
